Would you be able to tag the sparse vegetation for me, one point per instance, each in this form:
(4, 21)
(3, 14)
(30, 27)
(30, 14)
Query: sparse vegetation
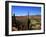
(21, 23)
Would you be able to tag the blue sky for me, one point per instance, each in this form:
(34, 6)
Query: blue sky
(23, 10)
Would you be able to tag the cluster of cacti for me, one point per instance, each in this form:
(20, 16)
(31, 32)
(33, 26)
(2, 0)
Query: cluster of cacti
(26, 24)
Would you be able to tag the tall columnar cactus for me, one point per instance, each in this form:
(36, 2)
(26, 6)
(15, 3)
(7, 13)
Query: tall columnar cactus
(13, 20)
(28, 20)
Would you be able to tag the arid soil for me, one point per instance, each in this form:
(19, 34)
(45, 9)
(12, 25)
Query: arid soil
(21, 23)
